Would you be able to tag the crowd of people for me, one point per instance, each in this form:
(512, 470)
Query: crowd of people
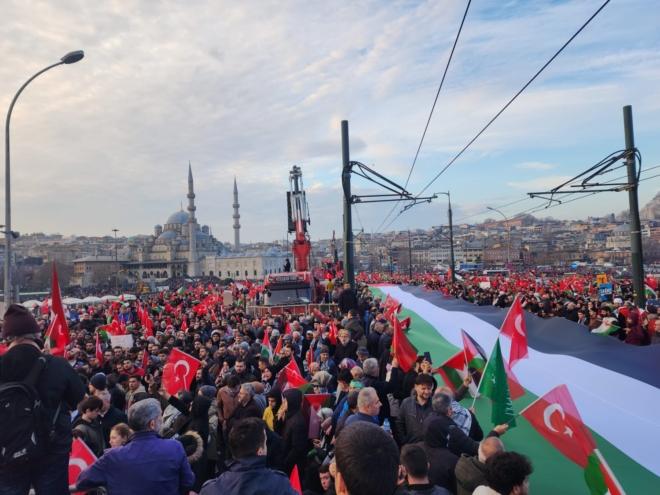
(243, 425)
(574, 297)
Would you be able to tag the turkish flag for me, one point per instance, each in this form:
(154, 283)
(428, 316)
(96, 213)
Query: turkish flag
(184, 325)
(557, 419)
(99, 352)
(332, 334)
(294, 479)
(290, 376)
(145, 360)
(58, 330)
(179, 371)
(81, 458)
(514, 327)
(404, 351)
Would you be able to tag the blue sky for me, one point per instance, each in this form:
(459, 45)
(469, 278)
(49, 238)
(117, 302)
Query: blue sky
(249, 89)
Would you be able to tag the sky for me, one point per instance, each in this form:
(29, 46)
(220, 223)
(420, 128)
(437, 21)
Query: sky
(249, 89)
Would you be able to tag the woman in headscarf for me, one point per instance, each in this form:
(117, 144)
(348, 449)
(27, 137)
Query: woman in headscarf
(267, 379)
(274, 398)
(294, 431)
(635, 334)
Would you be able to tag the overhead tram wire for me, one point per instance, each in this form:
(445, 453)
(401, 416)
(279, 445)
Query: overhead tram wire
(539, 208)
(501, 111)
(435, 101)
(527, 84)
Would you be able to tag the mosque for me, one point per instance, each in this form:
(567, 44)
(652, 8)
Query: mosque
(181, 247)
(178, 247)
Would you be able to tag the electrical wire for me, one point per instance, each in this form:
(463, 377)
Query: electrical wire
(435, 101)
(501, 111)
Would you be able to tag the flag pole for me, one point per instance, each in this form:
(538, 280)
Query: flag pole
(485, 368)
(606, 466)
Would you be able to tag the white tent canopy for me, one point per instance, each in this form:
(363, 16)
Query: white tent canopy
(71, 300)
(128, 297)
(92, 300)
(109, 297)
(31, 303)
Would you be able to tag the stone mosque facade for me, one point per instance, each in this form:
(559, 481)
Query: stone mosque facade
(177, 248)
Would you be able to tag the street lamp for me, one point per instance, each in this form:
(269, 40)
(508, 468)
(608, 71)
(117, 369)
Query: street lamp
(116, 264)
(508, 235)
(452, 260)
(69, 58)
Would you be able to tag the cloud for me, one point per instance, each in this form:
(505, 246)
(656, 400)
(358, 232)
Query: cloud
(535, 166)
(249, 89)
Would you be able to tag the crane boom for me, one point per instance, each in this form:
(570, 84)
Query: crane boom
(298, 220)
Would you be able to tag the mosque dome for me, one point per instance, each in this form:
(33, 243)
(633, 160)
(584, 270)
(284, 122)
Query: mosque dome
(168, 235)
(178, 217)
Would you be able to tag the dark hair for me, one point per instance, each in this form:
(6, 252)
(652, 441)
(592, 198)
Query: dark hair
(89, 404)
(424, 379)
(324, 468)
(233, 381)
(415, 460)
(246, 437)
(506, 470)
(368, 459)
(344, 375)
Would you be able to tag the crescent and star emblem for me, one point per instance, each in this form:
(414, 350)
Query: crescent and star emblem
(547, 414)
(518, 325)
(79, 463)
(183, 363)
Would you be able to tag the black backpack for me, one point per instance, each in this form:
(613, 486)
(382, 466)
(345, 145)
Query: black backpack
(23, 436)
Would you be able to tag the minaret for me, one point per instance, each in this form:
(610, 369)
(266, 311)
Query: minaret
(237, 216)
(193, 261)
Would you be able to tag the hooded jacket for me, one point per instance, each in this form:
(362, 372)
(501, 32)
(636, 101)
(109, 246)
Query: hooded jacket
(294, 432)
(441, 461)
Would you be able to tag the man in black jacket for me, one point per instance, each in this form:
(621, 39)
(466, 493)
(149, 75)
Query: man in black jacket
(457, 441)
(60, 390)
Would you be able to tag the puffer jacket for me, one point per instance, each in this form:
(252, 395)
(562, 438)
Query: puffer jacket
(470, 473)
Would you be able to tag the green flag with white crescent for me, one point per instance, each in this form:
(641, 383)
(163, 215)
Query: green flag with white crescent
(494, 386)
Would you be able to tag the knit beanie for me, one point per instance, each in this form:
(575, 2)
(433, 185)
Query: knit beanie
(19, 321)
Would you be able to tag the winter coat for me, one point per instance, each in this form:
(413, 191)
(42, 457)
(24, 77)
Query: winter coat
(112, 417)
(457, 441)
(410, 422)
(441, 462)
(348, 351)
(294, 432)
(146, 464)
(58, 384)
(470, 473)
(91, 433)
(249, 475)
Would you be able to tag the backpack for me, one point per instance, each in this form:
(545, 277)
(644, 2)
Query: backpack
(22, 437)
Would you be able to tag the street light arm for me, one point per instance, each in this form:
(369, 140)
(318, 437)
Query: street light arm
(20, 90)
(7, 261)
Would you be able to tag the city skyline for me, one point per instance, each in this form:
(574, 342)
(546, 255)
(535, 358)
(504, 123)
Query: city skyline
(250, 90)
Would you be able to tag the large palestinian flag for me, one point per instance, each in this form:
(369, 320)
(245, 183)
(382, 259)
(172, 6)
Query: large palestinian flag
(615, 387)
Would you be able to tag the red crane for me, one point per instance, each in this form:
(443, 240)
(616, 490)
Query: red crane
(298, 220)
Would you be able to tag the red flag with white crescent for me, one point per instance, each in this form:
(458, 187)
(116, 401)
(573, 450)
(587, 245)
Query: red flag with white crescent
(58, 330)
(557, 419)
(179, 371)
(81, 458)
(514, 327)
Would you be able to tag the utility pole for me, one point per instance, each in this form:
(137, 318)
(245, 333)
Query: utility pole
(349, 271)
(409, 255)
(451, 243)
(636, 255)
(116, 264)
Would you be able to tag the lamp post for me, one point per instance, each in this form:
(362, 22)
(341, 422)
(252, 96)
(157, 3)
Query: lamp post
(452, 260)
(69, 58)
(508, 235)
(116, 263)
